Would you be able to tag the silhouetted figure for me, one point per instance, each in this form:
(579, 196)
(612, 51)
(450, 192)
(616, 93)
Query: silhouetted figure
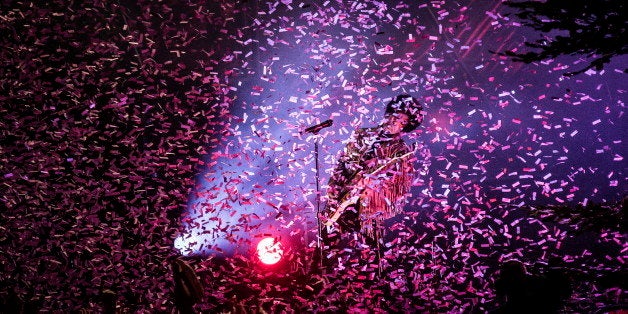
(109, 301)
(512, 288)
(187, 288)
(554, 287)
(12, 303)
(521, 292)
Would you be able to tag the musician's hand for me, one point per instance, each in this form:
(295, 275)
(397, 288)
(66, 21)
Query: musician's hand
(367, 195)
(368, 187)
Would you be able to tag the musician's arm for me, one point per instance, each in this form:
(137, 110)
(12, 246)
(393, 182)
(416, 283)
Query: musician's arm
(347, 167)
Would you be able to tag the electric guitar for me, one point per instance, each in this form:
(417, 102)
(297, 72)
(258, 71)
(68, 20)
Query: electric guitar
(351, 198)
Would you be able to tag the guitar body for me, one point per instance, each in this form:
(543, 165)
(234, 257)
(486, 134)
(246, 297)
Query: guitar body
(353, 197)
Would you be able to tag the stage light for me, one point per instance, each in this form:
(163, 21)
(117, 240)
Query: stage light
(269, 251)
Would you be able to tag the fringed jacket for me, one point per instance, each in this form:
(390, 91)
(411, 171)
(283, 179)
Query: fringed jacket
(374, 170)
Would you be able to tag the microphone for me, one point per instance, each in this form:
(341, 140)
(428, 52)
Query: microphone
(317, 128)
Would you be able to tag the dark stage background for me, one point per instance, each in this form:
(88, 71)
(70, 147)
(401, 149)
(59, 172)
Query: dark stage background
(134, 134)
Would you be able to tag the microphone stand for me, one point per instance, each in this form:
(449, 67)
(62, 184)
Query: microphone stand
(318, 206)
(315, 130)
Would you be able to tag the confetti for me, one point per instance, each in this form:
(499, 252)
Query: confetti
(133, 135)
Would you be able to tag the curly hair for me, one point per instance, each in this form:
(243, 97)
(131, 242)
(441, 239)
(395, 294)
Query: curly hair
(409, 106)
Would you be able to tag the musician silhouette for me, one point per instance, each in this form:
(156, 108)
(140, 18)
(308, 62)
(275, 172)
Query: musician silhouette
(373, 175)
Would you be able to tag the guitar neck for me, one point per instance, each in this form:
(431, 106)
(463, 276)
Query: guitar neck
(390, 162)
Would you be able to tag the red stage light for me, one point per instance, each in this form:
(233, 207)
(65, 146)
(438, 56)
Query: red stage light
(269, 251)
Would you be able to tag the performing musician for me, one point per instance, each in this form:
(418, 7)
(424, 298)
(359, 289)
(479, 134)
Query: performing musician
(373, 174)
